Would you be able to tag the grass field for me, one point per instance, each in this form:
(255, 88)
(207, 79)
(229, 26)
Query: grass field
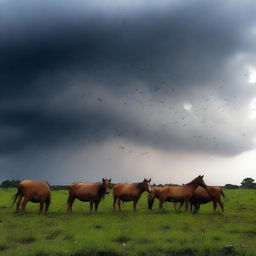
(127, 233)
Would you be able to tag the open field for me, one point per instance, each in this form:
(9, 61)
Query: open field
(127, 233)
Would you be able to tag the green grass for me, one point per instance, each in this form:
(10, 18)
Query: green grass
(127, 233)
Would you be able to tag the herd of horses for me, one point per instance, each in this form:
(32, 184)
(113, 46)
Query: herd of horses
(193, 193)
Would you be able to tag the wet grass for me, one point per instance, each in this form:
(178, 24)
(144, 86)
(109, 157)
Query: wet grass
(127, 233)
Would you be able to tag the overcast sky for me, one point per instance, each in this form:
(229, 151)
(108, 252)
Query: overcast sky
(127, 90)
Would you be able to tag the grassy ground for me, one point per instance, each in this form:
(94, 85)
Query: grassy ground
(127, 233)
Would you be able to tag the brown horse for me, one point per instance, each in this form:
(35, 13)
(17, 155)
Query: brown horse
(92, 193)
(181, 193)
(155, 193)
(33, 191)
(212, 194)
(130, 192)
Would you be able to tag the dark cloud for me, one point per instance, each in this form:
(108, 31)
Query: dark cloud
(91, 73)
(183, 48)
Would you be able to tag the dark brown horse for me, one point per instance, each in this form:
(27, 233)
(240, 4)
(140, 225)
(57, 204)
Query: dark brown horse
(92, 193)
(33, 191)
(130, 192)
(182, 193)
(212, 194)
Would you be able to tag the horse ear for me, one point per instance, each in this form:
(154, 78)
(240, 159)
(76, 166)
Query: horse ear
(202, 176)
(109, 180)
(144, 179)
(149, 180)
(103, 179)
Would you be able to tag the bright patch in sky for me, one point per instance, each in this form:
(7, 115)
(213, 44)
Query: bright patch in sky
(252, 109)
(252, 75)
(187, 106)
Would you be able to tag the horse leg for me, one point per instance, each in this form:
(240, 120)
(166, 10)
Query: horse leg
(18, 203)
(214, 206)
(150, 202)
(119, 204)
(181, 204)
(96, 206)
(41, 207)
(47, 203)
(221, 205)
(196, 205)
(91, 206)
(71, 200)
(186, 205)
(134, 205)
(23, 204)
(161, 202)
(175, 206)
(191, 206)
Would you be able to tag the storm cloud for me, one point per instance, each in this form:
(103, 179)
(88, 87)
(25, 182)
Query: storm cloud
(172, 76)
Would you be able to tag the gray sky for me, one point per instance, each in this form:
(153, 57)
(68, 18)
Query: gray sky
(128, 90)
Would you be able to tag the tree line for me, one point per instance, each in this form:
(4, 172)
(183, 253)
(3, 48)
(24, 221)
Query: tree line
(10, 184)
(247, 183)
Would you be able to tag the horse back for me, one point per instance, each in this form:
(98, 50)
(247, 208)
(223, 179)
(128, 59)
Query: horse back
(176, 193)
(85, 192)
(156, 191)
(213, 193)
(126, 192)
(35, 190)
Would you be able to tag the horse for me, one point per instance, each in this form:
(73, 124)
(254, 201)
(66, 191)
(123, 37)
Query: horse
(181, 193)
(130, 192)
(212, 194)
(92, 193)
(155, 193)
(33, 191)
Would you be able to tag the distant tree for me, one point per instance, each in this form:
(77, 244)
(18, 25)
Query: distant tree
(10, 183)
(60, 187)
(247, 183)
(231, 186)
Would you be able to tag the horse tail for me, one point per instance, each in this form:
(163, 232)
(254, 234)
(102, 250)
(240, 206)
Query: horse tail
(49, 199)
(15, 196)
(222, 193)
(69, 196)
(69, 199)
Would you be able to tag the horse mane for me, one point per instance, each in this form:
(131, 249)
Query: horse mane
(194, 181)
(46, 182)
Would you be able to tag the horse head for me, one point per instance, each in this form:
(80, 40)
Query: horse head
(201, 181)
(146, 185)
(106, 185)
